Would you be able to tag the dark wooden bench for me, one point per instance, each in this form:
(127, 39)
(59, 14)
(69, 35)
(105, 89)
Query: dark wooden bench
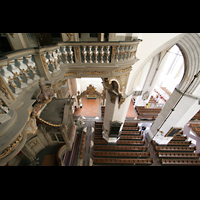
(122, 137)
(132, 137)
(102, 111)
(180, 161)
(128, 128)
(121, 154)
(179, 138)
(178, 155)
(176, 143)
(121, 142)
(132, 124)
(147, 113)
(174, 148)
(119, 148)
(122, 161)
(136, 133)
(82, 146)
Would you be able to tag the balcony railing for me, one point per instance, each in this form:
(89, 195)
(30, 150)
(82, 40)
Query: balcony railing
(23, 67)
(20, 71)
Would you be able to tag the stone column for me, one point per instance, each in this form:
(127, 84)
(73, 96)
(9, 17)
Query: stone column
(116, 108)
(176, 113)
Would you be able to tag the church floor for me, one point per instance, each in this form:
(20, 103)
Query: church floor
(92, 108)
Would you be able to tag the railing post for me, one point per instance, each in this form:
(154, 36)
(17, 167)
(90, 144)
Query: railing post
(5, 92)
(77, 54)
(43, 68)
(113, 54)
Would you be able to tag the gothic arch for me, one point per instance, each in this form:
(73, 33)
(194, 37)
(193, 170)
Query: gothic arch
(189, 46)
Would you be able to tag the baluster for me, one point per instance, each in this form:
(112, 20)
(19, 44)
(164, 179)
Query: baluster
(24, 69)
(52, 60)
(64, 52)
(96, 54)
(71, 54)
(32, 67)
(102, 53)
(90, 54)
(17, 73)
(126, 52)
(117, 53)
(10, 79)
(122, 53)
(84, 52)
(59, 54)
(46, 59)
(129, 52)
(107, 54)
(134, 50)
(4, 109)
(56, 60)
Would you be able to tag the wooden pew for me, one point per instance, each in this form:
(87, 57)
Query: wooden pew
(174, 148)
(127, 128)
(121, 154)
(196, 116)
(121, 142)
(179, 138)
(132, 124)
(152, 100)
(178, 155)
(122, 161)
(147, 113)
(122, 137)
(136, 133)
(175, 143)
(180, 162)
(119, 148)
(102, 111)
(132, 137)
(82, 146)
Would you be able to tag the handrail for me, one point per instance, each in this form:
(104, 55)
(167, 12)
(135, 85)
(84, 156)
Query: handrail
(21, 69)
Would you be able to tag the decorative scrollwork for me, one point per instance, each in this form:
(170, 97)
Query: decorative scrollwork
(11, 146)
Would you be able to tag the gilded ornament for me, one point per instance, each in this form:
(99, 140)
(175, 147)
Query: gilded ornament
(70, 73)
(123, 70)
(76, 53)
(95, 73)
(69, 35)
(11, 146)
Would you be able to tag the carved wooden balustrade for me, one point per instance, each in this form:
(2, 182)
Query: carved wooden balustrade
(20, 71)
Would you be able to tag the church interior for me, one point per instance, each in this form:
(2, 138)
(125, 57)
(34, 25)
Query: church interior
(99, 99)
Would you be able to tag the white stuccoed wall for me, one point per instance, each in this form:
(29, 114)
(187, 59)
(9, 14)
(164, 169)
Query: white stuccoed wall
(152, 44)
